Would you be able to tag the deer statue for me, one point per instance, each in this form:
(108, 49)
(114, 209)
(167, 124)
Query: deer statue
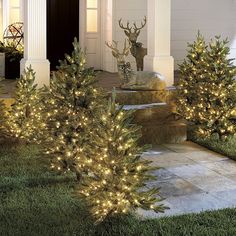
(130, 80)
(137, 50)
(120, 57)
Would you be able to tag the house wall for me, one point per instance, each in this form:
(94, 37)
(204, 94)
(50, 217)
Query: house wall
(1, 21)
(233, 39)
(133, 11)
(211, 17)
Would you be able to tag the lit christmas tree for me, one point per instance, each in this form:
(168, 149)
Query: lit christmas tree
(71, 104)
(207, 88)
(3, 116)
(117, 174)
(25, 121)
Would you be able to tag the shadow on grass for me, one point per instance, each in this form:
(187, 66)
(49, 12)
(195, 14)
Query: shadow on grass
(12, 184)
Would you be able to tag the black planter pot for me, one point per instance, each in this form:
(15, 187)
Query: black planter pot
(12, 69)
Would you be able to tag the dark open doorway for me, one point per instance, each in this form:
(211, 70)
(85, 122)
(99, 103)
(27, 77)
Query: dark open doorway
(62, 27)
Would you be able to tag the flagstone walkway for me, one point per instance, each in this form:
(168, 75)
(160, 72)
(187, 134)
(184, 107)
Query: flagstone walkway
(192, 179)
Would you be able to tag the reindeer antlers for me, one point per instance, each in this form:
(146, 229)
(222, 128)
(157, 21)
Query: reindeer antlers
(114, 48)
(126, 49)
(134, 25)
(127, 25)
(142, 24)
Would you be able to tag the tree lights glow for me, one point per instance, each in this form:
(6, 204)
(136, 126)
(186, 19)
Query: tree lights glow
(117, 174)
(3, 117)
(84, 133)
(25, 120)
(207, 89)
(71, 103)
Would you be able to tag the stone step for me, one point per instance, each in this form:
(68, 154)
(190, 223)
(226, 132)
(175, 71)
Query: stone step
(164, 133)
(127, 97)
(158, 123)
(152, 113)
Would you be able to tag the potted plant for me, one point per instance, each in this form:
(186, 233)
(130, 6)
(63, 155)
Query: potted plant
(13, 56)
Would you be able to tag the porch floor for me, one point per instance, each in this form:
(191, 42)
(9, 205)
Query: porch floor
(105, 79)
(192, 179)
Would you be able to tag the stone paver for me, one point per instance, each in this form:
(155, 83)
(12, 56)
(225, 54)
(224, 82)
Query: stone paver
(177, 187)
(229, 195)
(185, 147)
(192, 171)
(213, 184)
(225, 167)
(197, 203)
(206, 156)
(163, 175)
(169, 159)
(192, 179)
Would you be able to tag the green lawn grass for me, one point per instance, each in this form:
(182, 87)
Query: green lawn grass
(36, 201)
(225, 147)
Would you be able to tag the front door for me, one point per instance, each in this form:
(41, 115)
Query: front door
(62, 27)
(91, 31)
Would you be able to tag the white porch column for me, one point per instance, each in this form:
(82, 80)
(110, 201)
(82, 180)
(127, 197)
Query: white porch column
(159, 29)
(35, 40)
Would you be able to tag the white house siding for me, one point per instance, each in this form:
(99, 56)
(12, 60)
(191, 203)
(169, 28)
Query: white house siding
(133, 11)
(211, 17)
(1, 21)
(233, 40)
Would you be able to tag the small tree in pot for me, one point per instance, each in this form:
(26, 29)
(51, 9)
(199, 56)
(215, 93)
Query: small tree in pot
(12, 60)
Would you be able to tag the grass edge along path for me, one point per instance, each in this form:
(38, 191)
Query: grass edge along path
(224, 147)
